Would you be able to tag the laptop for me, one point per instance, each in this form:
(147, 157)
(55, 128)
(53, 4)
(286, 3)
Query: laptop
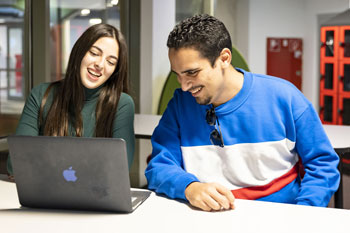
(73, 173)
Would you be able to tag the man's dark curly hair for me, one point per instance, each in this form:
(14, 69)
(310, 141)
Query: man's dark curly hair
(204, 33)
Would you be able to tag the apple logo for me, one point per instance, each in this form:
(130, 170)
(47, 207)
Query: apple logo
(69, 175)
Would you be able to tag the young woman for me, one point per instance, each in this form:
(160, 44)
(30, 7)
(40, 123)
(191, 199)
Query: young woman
(92, 99)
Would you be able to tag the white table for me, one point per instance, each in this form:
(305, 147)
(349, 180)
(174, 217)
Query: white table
(159, 214)
(339, 135)
(144, 125)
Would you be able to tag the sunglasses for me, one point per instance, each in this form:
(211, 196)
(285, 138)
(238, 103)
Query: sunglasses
(215, 135)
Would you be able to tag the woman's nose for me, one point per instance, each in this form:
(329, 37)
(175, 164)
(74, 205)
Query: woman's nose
(99, 63)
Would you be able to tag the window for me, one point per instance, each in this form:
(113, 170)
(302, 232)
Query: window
(69, 19)
(12, 77)
(11, 58)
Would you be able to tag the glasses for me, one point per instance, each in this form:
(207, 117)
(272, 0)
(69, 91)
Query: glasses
(215, 135)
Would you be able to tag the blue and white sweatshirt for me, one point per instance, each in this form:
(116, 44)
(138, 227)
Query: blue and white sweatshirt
(267, 128)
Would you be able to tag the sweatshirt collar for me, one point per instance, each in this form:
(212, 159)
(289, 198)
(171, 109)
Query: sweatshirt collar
(238, 99)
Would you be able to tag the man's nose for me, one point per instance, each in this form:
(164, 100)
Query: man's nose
(185, 84)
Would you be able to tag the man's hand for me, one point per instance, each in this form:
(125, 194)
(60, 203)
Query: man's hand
(209, 196)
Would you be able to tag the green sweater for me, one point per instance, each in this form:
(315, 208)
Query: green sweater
(123, 123)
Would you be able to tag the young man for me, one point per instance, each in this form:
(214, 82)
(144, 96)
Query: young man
(233, 134)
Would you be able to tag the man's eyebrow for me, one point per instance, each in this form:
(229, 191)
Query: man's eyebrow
(190, 70)
(94, 46)
(187, 71)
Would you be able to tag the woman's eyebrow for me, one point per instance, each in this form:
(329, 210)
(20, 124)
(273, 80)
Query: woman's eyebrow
(94, 46)
(111, 56)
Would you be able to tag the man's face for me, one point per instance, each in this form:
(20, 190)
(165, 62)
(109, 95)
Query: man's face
(196, 75)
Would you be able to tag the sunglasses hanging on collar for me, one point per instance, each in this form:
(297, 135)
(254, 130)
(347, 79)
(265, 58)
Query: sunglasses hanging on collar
(215, 135)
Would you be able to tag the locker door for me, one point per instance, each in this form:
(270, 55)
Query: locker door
(329, 77)
(328, 108)
(344, 110)
(344, 78)
(329, 43)
(344, 42)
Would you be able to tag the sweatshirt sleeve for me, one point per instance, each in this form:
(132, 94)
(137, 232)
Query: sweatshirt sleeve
(165, 172)
(319, 159)
(124, 124)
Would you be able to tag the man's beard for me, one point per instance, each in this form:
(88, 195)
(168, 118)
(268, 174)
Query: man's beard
(203, 101)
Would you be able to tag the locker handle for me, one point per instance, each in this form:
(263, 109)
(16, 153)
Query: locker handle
(341, 44)
(341, 78)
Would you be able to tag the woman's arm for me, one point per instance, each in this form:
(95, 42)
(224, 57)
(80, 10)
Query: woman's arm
(124, 124)
(29, 120)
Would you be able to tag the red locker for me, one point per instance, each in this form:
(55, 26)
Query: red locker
(329, 75)
(335, 75)
(284, 59)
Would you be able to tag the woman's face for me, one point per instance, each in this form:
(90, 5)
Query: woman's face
(99, 62)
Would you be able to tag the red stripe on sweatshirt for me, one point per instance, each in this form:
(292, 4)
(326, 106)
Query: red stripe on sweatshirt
(252, 193)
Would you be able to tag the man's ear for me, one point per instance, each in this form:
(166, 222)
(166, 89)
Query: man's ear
(225, 57)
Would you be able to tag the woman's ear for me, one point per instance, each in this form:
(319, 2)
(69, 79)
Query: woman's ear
(225, 57)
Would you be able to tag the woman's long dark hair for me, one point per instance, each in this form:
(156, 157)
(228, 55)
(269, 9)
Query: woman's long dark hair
(68, 94)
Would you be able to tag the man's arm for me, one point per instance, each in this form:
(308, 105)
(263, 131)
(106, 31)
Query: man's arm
(209, 196)
(319, 159)
(166, 174)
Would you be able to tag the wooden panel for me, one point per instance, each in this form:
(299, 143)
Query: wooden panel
(8, 124)
(3, 162)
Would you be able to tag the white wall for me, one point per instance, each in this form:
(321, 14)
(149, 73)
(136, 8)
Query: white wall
(163, 23)
(241, 31)
(271, 18)
(285, 18)
(146, 56)
(157, 20)
(224, 12)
